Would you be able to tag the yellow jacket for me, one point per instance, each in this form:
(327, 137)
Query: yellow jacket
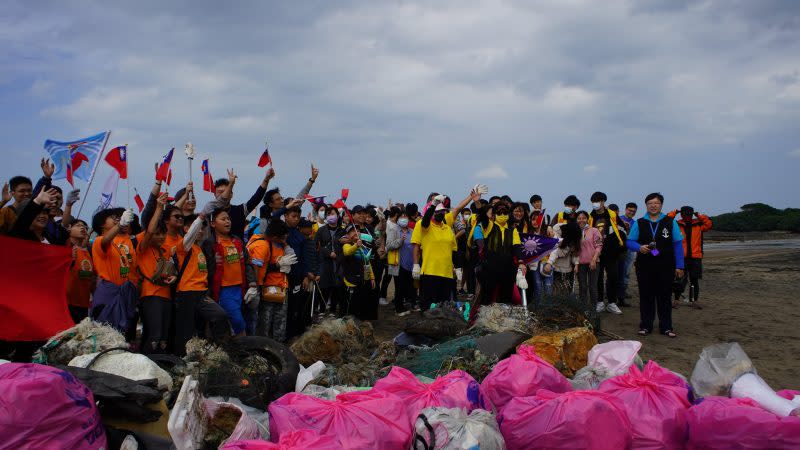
(613, 216)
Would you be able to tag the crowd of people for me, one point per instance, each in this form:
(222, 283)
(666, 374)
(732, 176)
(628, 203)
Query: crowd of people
(264, 268)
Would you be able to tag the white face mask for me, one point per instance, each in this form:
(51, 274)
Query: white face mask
(321, 215)
(595, 206)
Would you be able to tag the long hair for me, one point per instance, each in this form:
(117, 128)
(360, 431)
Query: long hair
(571, 237)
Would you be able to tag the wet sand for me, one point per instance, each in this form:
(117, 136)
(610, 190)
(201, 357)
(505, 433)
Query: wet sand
(749, 292)
(751, 295)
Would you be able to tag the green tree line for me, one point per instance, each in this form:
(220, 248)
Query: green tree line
(759, 217)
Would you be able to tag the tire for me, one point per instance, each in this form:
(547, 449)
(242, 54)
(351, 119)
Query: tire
(279, 355)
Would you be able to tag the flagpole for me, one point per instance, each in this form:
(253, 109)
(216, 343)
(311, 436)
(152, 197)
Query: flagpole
(94, 170)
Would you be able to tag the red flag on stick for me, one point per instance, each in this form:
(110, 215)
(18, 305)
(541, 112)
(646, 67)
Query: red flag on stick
(33, 311)
(345, 194)
(265, 159)
(138, 199)
(163, 170)
(208, 181)
(118, 159)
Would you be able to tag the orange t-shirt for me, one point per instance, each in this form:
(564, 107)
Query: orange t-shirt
(232, 268)
(259, 253)
(195, 276)
(117, 263)
(81, 276)
(147, 262)
(172, 245)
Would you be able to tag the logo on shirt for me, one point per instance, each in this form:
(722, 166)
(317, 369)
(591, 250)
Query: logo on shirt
(85, 270)
(201, 263)
(665, 233)
(231, 255)
(125, 251)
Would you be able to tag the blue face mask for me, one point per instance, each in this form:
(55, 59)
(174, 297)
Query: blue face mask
(567, 210)
(403, 222)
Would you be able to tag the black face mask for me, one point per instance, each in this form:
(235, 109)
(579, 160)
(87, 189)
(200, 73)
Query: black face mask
(439, 217)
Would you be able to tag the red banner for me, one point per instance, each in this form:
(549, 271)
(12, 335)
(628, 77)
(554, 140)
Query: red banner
(33, 276)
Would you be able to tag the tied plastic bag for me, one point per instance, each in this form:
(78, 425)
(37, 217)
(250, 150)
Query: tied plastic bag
(721, 423)
(606, 361)
(656, 400)
(580, 419)
(522, 375)
(293, 440)
(133, 366)
(457, 389)
(44, 407)
(718, 367)
(754, 387)
(246, 428)
(453, 429)
(359, 420)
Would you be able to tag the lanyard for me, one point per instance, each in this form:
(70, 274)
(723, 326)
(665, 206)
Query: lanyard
(654, 230)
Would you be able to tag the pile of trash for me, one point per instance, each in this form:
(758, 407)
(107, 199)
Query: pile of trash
(511, 379)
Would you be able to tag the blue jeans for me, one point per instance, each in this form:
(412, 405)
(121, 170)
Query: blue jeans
(230, 299)
(542, 285)
(625, 271)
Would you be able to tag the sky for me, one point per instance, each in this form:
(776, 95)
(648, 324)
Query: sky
(699, 100)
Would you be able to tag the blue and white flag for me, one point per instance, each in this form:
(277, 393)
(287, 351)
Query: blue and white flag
(81, 156)
(535, 247)
(109, 193)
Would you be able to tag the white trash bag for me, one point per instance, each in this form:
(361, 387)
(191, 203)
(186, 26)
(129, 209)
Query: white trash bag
(605, 361)
(452, 429)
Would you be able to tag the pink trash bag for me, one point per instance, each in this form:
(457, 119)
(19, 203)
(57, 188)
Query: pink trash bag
(656, 400)
(580, 419)
(359, 420)
(44, 407)
(293, 440)
(722, 423)
(457, 389)
(521, 375)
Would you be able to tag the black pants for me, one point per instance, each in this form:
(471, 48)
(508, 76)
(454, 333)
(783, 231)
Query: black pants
(361, 302)
(434, 289)
(384, 284)
(379, 270)
(211, 317)
(78, 313)
(469, 276)
(609, 269)
(404, 291)
(334, 295)
(156, 316)
(501, 282)
(692, 274)
(298, 314)
(655, 289)
(185, 324)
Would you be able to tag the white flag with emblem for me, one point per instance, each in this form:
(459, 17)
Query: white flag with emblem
(109, 193)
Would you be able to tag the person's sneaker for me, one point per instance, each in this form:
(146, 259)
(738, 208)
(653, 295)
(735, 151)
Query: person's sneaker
(383, 301)
(402, 313)
(613, 308)
(600, 307)
(416, 308)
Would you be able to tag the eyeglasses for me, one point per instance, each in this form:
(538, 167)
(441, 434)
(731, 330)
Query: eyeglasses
(175, 216)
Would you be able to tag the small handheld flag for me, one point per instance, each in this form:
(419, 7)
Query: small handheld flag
(320, 200)
(208, 181)
(76, 159)
(117, 158)
(345, 194)
(265, 158)
(535, 247)
(163, 170)
(138, 199)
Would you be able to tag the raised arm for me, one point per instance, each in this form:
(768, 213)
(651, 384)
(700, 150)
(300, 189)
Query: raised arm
(194, 230)
(307, 188)
(152, 226)
(72, 198)
(258, 195)
(150, 206)
(474, 196)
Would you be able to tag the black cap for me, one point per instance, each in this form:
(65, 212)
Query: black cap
(357, 209)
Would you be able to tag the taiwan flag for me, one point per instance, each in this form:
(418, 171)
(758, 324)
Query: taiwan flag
(138, 199)
(265, 158)
(163, 172)
(117, 158)
(535, 247)
(208, 181)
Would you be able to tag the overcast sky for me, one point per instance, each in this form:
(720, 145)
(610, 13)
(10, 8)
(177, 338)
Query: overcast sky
(698, 100)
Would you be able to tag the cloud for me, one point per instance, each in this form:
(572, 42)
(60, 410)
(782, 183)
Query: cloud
(591, 168)
(794, 153)
(492, 172)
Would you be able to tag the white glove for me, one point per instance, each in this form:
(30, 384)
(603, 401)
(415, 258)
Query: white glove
(73, 196)
(522, 283)
(285, 262)
(480, 189)
(415, 272)
(459, 274)
(438, 199)
(251, 295)
(127, 218)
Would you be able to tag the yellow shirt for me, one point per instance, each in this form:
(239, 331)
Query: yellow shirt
(437, 243)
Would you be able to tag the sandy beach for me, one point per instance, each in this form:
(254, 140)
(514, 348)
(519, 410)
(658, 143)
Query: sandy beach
(749, 292)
